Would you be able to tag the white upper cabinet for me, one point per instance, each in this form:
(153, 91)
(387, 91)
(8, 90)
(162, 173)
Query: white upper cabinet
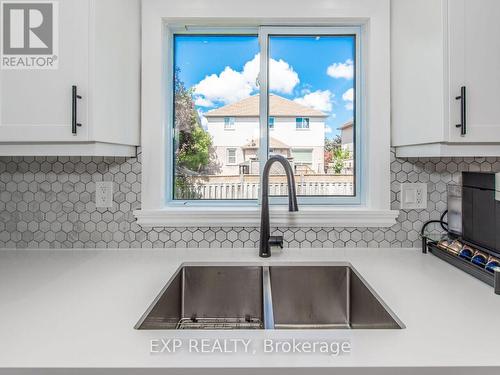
(97, 47)
(474, 45)
(446, 77)
(36, 104)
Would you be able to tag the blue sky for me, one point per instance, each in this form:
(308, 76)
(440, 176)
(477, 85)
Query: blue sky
(314, 71)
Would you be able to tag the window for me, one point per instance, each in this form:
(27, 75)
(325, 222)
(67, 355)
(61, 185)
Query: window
(215, 85)
(271, 123)
(229, 123)
(302, 123)
(205, 113)
(302, 156)
(370, 205)
(231, 156)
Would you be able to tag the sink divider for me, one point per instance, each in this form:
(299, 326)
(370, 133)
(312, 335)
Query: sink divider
(348, 297)
(267, 303)
(183, 288)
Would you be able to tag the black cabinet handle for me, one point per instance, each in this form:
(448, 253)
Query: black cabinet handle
(463, 111)
(74, 110)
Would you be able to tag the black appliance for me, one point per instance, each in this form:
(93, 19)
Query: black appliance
(481, 209)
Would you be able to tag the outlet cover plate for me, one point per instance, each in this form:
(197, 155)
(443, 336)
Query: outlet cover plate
(104, 194)
(413, 196)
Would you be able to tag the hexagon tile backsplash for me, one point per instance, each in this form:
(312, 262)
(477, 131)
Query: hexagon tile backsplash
(48, 202)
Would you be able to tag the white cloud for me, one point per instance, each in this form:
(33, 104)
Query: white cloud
(203, 102)
(319, 100)
(348, 97)
(203, 119)
(328, 130)
(227, 87)
(282, 77)
(341, 70)
(231, 86)
(305, 88)
(251, 71)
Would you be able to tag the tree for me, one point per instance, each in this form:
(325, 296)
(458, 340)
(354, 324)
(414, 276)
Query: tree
(194, 151)
(339, 157)
(335, 155)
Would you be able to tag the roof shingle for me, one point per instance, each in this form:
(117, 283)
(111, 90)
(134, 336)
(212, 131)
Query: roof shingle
(279, 107)
(274, 143)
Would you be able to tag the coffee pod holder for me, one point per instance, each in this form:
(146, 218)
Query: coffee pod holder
(430, 245)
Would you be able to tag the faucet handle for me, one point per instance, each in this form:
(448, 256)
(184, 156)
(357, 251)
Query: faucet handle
(276, 241)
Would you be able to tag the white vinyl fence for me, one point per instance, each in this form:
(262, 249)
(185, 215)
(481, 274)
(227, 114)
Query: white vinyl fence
(250, 190)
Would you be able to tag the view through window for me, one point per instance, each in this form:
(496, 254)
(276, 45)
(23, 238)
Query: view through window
(311, 119)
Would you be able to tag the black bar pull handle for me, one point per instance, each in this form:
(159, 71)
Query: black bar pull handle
(74, 110)
(463, 111)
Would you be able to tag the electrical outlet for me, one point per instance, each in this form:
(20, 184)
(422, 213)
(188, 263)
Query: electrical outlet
(104, 194)
(413, 196)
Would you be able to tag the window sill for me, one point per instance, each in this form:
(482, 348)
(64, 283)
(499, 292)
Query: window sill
(310, 216)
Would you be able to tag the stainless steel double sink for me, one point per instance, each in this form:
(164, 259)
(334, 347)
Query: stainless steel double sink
(268, 297)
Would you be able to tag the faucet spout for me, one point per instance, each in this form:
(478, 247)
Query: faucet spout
(265, 228)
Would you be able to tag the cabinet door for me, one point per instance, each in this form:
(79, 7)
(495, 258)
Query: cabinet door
(36, 105)
(474, 60)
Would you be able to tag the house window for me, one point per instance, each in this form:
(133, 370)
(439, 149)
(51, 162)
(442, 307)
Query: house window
(214, 79)
(271, 123)
(229, 123)
(301, 156)
(231, 156)
(302, 123)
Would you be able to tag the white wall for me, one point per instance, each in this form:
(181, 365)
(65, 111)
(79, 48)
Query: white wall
(285, 131)
(247, 128)
(347, 138)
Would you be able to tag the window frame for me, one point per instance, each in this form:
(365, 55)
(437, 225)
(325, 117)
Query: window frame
(228, 149)
(230, 124)
(160, 19)
(302, 122)
(264, 33)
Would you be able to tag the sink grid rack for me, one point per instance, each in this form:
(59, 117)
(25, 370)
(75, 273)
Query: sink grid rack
(220, 323)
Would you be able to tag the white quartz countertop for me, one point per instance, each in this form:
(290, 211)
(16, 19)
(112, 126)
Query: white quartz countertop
(77, 308)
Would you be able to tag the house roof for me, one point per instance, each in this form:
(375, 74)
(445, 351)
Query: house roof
(278, 106)
(347, 125)
(274, 143)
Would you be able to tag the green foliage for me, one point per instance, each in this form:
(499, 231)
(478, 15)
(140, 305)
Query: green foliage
(332, 144)
(339, 156)
(194, 152)
(335, 155)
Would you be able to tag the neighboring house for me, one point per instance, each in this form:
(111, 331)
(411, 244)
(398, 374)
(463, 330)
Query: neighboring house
(296, 132)
(347, 137)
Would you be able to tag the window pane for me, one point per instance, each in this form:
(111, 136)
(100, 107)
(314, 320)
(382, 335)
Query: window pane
(302, 156)
(231, 156)
(298, 122)
(216, 117)
(229, 123)
(312, 101)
